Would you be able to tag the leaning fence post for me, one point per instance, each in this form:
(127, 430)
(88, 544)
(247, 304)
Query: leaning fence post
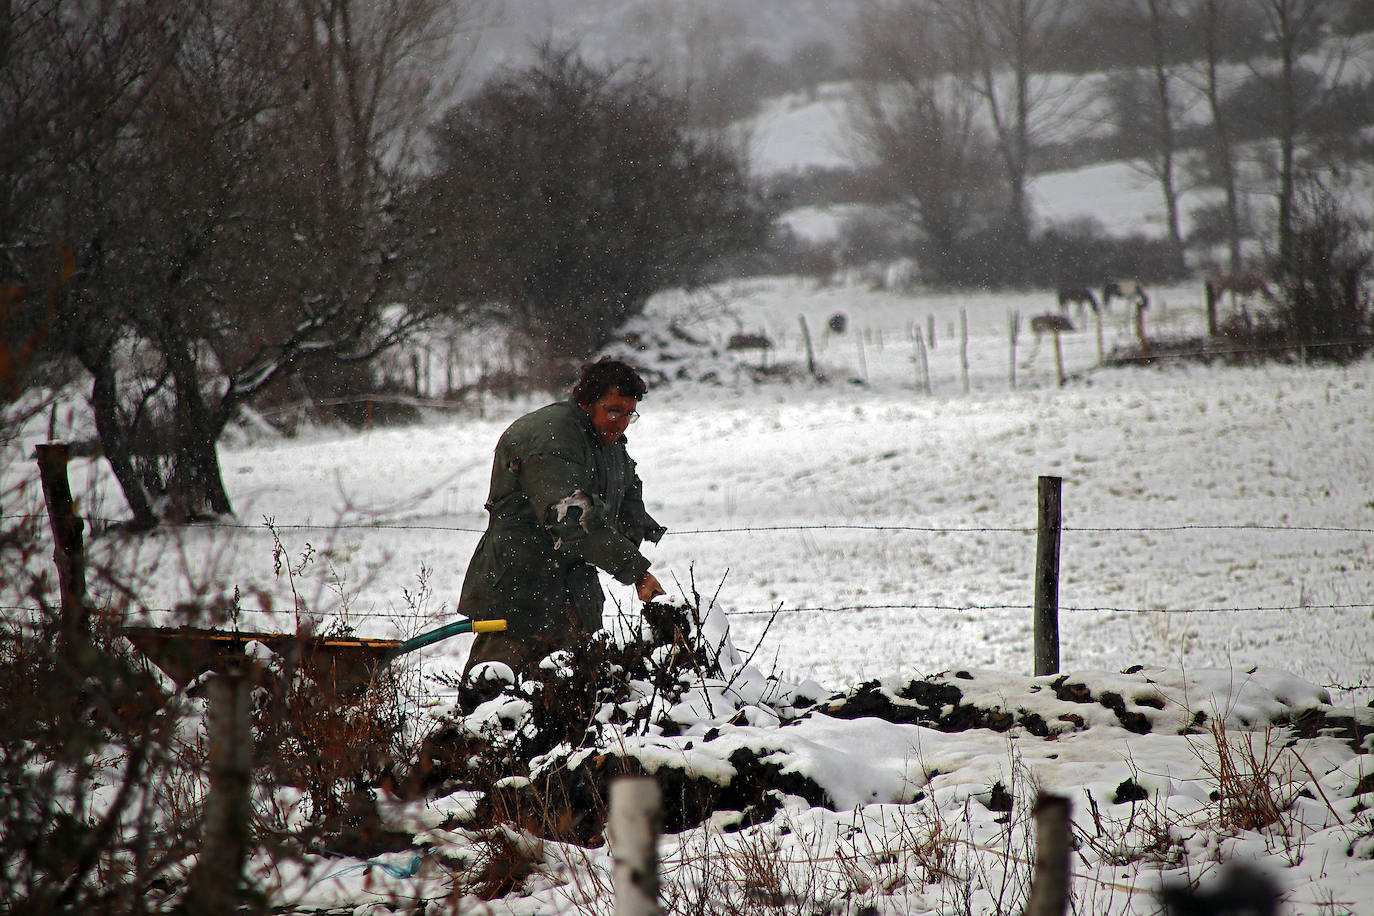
(69, 550)
(1058, 358)
(1047, 577)
(633, 833)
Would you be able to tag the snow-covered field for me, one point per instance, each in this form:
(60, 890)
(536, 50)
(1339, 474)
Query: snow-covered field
(1213, 516)
(1218, 525)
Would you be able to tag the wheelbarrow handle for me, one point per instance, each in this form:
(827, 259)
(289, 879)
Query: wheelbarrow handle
(444, 632)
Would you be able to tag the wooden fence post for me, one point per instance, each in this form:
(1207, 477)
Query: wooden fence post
(633, 834)
(69, 549)
(1049, 893)
(1210, 292)
(963, 345)
(1058, 358)
(922, 363)
(1047, 577)
(1013, 331)
(214, 882)
(810, 352)
(1101, 353)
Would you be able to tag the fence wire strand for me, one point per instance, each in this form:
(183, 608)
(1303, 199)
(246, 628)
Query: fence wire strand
(755, 529)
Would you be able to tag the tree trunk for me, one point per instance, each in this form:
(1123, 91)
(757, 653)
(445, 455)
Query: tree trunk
(1287, 128)
(1166, 136)
(115, 441)
(1225, 162)
(198, 483)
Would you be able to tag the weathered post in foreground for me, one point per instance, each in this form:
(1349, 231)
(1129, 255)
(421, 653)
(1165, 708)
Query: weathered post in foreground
(1049, 894)
(633, 832)
(69, 549)
(214, 882)
(1047, 577)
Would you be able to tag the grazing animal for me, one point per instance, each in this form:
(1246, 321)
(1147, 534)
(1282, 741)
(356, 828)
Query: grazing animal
(1129, 290)
(1040, 324)
(1242, 285)
(1079, 295)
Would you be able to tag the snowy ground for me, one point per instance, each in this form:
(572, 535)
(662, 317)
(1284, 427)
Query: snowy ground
(1218, 531)
(1212, 516)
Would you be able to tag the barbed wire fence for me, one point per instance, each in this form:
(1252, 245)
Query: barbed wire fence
(1045, 606)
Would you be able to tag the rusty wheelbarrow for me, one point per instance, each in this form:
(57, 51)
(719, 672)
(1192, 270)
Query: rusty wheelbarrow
(342, 665)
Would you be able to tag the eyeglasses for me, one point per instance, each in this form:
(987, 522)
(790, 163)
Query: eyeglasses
(618, 415)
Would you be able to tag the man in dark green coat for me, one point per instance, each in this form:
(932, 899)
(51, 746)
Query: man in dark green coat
(564, 501)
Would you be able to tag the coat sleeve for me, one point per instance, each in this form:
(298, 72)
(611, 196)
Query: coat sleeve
(559, 487)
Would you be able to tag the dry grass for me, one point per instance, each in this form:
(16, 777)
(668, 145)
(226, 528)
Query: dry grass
(890, 856)
(1256, 777)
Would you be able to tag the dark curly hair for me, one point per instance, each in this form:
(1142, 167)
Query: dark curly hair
(595, 379)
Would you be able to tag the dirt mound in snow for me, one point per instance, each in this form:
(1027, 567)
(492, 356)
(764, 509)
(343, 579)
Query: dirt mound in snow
(728, 744)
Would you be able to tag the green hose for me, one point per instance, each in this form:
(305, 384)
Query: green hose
(444, 632)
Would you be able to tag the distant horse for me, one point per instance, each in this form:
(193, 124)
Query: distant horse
(1242, 285)
(1079, 295)
(1129, 290)
(1041, 324)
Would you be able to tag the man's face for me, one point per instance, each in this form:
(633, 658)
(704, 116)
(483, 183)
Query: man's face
(611, 414)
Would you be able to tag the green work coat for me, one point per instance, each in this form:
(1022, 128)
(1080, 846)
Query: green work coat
(561, 504)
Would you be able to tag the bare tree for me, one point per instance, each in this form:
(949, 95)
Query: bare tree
(1296, 27)
(919, 128)
(1213, 19)
(1004, 50)
(234, 222)
(1149, 103)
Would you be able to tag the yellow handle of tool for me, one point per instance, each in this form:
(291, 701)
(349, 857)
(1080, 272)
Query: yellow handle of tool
(488, 626)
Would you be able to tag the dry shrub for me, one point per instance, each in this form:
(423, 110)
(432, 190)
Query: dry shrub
(768, 870)
(926, 844)
(1324, 297)
(99, 796)
(1254, 773)
(754, 874)
(339, 748)
(1143, 833)
(506, 859)
(328, 731)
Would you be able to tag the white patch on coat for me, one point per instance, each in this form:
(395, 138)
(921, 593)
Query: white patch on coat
(579, 500)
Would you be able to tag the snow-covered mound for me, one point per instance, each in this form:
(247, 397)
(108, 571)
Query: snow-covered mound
(520, 769)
